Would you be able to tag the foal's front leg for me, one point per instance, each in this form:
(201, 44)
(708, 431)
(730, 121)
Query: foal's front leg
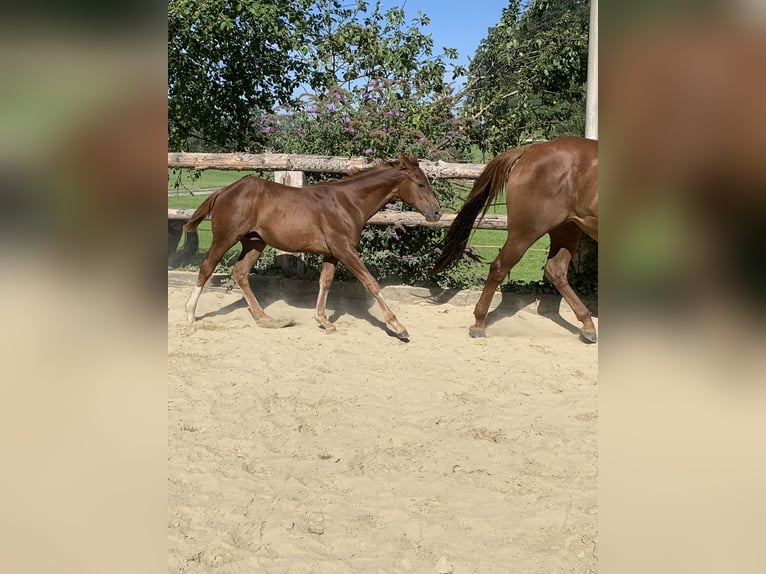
(325, 282)
(350, 258)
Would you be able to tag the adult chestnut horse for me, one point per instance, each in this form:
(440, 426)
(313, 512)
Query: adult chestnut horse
(551, 187)
(324, 218)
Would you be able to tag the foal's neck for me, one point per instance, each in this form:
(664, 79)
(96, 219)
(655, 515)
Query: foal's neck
(371, 190)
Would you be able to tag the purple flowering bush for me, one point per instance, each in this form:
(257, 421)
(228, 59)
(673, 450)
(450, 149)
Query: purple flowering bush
(379, 119)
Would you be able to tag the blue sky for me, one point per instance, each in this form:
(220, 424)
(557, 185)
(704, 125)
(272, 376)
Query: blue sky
(459, 24)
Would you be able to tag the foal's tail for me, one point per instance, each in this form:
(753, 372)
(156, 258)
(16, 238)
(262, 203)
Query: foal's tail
(202, 212)
(489, 185)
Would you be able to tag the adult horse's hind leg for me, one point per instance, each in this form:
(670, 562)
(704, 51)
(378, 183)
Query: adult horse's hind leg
(206, 268)
(325, 282)
(512, 250)
(564, 242)
(251, 251)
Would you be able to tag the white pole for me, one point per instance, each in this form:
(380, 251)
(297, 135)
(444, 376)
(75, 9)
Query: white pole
(591, 96)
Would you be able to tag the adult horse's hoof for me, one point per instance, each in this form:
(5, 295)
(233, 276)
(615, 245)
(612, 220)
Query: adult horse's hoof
(588, 336)
(477, 333)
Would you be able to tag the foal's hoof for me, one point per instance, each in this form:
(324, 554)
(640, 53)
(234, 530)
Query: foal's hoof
(403, 335)
(326, 325)
(477, 333)
(269, 323)
(588, 336)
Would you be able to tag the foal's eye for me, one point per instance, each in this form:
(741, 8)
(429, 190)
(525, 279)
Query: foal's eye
(421, 185)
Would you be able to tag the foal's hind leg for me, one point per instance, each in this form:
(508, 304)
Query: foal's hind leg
(511, 252)
(325, 282)
(206, 268)
(251, 251)
(564, 242)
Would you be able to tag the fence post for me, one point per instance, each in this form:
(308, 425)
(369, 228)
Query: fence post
(292, 264)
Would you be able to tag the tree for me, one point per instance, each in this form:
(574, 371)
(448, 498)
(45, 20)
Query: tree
(232, 64)
(226, 62)
(375, 88)
(527, 79)
(353, 44)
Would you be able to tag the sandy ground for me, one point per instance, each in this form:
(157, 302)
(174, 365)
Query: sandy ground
(295, 451)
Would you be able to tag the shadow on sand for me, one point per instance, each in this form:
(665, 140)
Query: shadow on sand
(345, 298)
(350, 298)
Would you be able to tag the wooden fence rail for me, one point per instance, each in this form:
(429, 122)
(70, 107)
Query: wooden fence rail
(291, 168)
(398, 218)
(310, 164)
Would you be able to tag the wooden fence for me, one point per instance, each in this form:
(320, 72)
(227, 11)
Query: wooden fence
(291, 169)
(310, 164)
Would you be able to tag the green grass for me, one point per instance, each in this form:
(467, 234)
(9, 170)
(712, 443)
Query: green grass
(486, 241)
(180, 185)
(489, 241)
(190, 180)
(530, 268)
(184, 200)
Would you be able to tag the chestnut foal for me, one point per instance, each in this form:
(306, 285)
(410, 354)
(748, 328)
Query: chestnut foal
(324, 218)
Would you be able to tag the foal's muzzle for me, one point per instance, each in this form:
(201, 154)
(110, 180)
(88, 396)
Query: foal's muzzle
(433, 215)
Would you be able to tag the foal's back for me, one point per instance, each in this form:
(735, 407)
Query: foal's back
(288, 218)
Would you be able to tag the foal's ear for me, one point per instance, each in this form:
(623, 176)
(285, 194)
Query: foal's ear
(407, 160)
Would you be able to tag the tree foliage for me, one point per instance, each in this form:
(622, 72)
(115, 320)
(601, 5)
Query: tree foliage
(235, 69)
(375, 88)
(527, 79)
(227, 60)
(354, 44)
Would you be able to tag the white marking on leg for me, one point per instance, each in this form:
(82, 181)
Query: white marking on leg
(191, 304)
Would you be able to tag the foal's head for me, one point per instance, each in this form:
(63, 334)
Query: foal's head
(416, 190)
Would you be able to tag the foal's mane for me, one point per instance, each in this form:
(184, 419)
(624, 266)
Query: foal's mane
(377, 165)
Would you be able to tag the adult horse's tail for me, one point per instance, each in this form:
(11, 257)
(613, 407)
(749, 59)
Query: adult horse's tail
(489, 185)
(202, 212)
